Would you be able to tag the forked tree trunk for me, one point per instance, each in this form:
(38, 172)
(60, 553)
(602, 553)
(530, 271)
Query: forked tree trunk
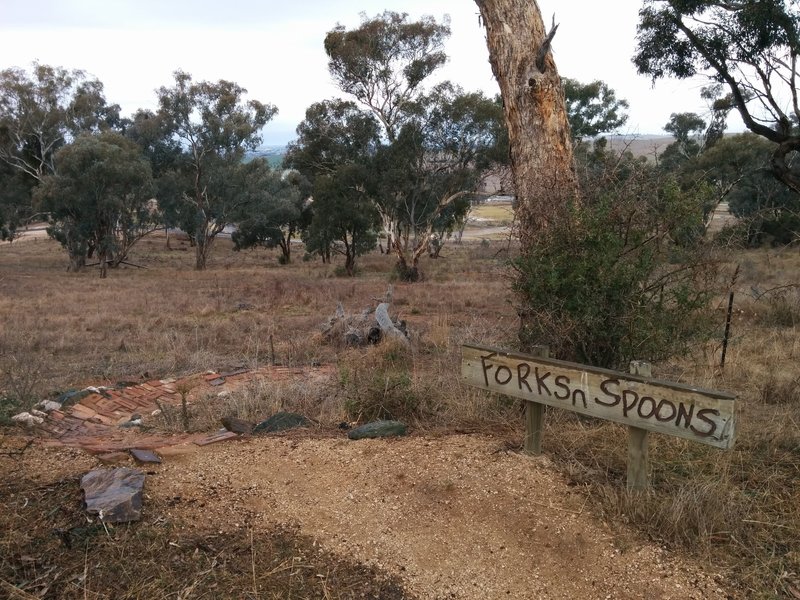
(535, 112)
(202, 248)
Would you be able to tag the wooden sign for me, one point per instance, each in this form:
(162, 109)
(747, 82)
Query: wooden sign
(703, 416)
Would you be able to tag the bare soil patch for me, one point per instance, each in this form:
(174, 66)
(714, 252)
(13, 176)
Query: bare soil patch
(453, 516)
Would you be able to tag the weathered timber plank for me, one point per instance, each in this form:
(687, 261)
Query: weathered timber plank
(704, 416)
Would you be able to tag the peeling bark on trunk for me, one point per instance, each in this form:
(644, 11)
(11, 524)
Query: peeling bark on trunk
(535, 112)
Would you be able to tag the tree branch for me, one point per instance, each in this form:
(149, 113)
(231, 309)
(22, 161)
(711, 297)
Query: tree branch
(545, 47)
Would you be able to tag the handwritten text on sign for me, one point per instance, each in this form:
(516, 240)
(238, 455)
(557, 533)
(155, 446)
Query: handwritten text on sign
(701, 415)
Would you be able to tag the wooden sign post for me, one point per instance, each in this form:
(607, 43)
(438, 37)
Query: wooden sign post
(636, 400)
(534, 414)
(638, 442)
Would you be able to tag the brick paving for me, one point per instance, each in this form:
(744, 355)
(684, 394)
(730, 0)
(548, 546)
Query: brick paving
(94, 423)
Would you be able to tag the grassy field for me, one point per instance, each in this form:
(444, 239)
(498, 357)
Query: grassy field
(492, 214)
(738, 510)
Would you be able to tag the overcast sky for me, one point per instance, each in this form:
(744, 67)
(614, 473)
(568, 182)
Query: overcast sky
(275, 48)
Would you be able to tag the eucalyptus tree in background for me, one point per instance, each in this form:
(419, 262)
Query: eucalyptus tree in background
(99, 198)
(40, 112)
(43, 110)
(750, 47)
(335, 152)
(593, 108)
(280, 210)
(430, 139)
(738, 167)
(15, 200)
(151, 132)
(345, 219)
(384, 62)
(687, 129)
(215, 126)
(433, 169)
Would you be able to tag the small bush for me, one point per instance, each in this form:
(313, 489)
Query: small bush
(8, 408)
(378, 384)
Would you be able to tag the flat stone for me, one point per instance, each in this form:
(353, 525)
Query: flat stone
(281, 421)
(113, 458)
(235, 425)
(377, 429)
(115, 495)
(49, 405)
(145, 456)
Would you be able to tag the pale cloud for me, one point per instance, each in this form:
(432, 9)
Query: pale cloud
(275, 49)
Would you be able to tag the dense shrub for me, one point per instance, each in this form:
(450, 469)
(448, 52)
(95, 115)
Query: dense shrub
(628, 277)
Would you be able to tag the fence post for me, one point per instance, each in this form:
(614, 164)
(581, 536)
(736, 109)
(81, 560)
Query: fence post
(638, 455)
(534, 413)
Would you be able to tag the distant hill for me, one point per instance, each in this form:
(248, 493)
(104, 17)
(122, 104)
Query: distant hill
(643, 145)
(273, 154)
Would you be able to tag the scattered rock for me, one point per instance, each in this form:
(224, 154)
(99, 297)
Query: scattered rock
(224, 394)
(27, 419)
(145, 456)
(280, 422)
(134, 421)
(49, 405)
(115, 496)
(235, 425)
(71, 397)
(378, 429)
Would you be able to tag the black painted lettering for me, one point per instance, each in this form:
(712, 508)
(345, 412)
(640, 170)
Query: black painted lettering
(540, 381)
(486, 367)
(652, 405)
(683, 414)
(522, 379)
(605, 387)
(582, 394)
(660, 414)
(701, 414)
(627, 404)
(507, 374)
(562, 381)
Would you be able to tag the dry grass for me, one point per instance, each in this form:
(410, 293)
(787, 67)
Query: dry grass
(494, 214)
(738, 510)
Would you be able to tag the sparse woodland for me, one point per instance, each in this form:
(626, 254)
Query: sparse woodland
(610, 257)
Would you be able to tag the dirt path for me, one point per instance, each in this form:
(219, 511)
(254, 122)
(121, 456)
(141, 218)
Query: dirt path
(455, 516)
